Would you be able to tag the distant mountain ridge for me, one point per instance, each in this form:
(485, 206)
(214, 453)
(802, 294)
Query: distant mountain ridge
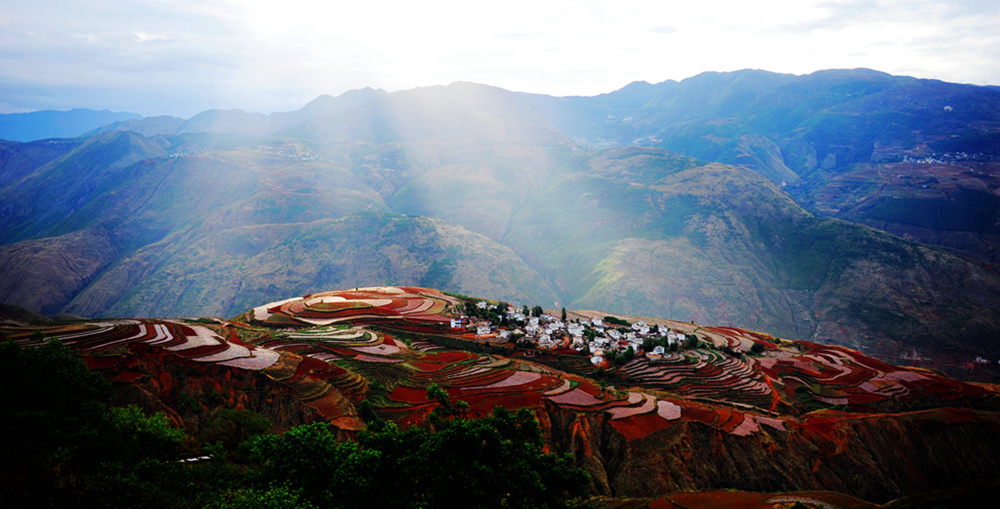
(240, 122)
(779, 124)
(38, 125)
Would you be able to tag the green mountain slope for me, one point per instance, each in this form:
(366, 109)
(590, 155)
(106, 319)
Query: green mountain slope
(644, 232)
(223, 271)
(857, 144)
(43, 275)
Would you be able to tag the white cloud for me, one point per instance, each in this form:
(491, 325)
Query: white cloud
(184, 56)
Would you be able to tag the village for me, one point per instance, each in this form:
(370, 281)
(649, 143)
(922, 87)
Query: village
(605, 340)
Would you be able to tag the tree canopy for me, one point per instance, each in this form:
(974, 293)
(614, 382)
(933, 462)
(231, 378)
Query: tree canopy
(497, 461)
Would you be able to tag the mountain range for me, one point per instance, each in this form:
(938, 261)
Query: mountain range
(39, 125)
(844, 206)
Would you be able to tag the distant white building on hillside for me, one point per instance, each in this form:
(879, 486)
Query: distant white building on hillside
(656, 354)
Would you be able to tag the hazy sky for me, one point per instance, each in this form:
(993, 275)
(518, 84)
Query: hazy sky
(181, 57)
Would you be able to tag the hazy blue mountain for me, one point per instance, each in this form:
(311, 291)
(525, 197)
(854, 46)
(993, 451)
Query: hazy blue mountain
(40, 125)
(148, 126)
(19, 159)
(783, 126)
(239, 122)
(327, 105)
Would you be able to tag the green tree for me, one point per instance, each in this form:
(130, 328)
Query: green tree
(310, 459)
(52, 406)
(629, 354)
(131, 436)
(691, 341)
(71, 448)
(616, 321)
(233, 427)
(493, 462)
(436, 393)
(277, 497)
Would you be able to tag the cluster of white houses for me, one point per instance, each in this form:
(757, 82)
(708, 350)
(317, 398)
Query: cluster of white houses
(549, 332)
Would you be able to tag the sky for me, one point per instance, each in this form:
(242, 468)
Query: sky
(182, 57)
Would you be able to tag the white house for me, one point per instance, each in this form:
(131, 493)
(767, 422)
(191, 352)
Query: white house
(456, 324)
(545, 341)
(482, 330)
(482, 304)
(656, 354)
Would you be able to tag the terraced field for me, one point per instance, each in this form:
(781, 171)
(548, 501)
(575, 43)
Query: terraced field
(198, 342)
(334, 350)
(836, 376)
(705, 373)
(361, 305)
